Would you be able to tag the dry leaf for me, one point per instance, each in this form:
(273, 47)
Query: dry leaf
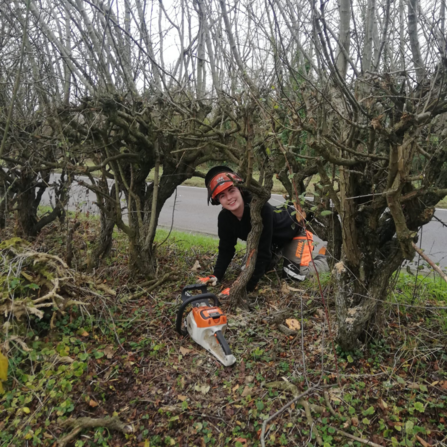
(444, 384)
(196, 267)
(3, 371)
(293, 324)
(84, 333)
(355, 421)
(185, 351)
(243, 441)
(413, 386)
(334, 394)
(235, 388)
(182, 398)
(92, 403)
(382, 404)
(108, 351)
(284, 288)
(202, 388)
(246, 392)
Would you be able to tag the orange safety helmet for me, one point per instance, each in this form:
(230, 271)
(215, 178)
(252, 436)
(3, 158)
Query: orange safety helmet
(219, 179)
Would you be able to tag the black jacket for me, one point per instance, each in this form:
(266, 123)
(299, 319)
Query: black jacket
(280, 227)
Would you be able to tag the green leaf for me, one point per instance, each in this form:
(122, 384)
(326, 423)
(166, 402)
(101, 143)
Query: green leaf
(350, 359)
(419, 407)
(368, 412)
(366, 421)
(409, 425)
(325, 213)
(260, 405)
(268, 151)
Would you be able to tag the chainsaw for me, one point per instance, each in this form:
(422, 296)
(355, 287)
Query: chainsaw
(205, 323)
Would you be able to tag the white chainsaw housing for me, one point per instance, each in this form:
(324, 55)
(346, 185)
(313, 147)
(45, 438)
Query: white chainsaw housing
(205, 337)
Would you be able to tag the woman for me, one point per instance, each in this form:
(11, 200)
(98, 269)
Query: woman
(281, 231)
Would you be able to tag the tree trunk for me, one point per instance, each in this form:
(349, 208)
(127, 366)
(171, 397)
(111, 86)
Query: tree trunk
(344, 37)
(3, 199)
(238, 291)
(103, 244)
(26, 206)
(358, 299)
(414, 39)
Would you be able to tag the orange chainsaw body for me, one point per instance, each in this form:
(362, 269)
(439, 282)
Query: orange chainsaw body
(208, 316)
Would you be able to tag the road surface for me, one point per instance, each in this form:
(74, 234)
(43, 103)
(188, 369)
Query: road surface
(188, 211)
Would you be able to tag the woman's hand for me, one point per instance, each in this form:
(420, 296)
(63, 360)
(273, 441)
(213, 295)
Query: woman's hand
(225, 292)
(211, 280)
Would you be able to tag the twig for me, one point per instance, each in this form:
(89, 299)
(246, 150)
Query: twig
(17, 80)
(439, 220)
(435, 267)
(300, 396)
(355, 438)
(152, 287)
(286, 331)
(78, 425)
(329, 406)
(311, 421)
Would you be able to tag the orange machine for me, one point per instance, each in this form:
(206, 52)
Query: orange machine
(205, 323)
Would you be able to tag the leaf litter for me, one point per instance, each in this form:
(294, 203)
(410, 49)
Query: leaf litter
(138, 368)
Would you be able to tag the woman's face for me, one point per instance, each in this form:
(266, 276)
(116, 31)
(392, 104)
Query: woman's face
(231, 199)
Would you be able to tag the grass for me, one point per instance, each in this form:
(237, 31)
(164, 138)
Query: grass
(191, 241)
(427, 292)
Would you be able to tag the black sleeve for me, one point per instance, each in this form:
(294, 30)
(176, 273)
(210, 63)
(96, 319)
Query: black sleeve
(227, 245)
(264, 247)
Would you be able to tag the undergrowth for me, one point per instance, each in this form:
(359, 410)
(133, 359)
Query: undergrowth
(119, 355)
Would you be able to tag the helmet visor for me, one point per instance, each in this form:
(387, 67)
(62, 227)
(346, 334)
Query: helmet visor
(222, 182)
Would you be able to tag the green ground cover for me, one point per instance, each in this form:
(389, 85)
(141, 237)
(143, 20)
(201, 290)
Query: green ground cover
(118, 355)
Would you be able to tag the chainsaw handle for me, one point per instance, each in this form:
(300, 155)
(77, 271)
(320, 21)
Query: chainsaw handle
(201, 297)
(200, 286)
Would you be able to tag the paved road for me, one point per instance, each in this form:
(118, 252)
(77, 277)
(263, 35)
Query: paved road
(191, 213)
